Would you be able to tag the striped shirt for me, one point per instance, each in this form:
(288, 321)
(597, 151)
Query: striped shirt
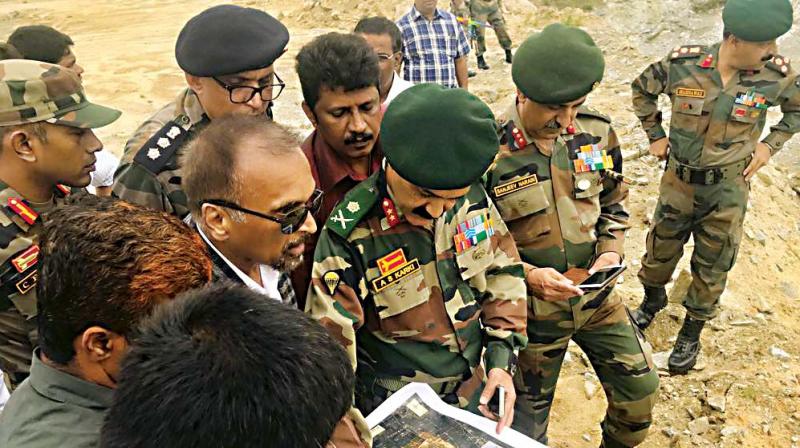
(431, 47)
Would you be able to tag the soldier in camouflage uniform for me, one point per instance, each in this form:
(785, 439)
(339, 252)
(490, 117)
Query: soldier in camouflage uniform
(489, 13)
(46, 147)
(567, 216)
(720, 95)
(415, 272)
(226, 75)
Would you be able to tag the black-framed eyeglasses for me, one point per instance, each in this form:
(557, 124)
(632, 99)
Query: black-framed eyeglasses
(242, 94)
(290, 221)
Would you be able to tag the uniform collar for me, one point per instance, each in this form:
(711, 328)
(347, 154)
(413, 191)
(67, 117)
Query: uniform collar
(65, 388)
(709, 60)
(189, 105)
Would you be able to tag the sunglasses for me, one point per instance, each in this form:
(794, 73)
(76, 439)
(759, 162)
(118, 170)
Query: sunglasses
(290, 221)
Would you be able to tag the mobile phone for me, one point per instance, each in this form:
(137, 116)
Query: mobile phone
(602, 278)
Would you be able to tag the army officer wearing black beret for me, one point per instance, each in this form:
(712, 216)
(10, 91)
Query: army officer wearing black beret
(226, 53)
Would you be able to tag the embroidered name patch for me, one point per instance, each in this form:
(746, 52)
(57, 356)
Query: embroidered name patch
(399, 273)
(28, 283)
(690, 93)
(515, 185)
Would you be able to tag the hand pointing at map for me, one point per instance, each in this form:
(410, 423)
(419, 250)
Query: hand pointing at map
(499, 378)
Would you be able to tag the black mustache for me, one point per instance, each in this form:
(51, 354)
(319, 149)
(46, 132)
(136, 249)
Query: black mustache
(422, 212)
(767, 58)
(553, 125)
(358, 138)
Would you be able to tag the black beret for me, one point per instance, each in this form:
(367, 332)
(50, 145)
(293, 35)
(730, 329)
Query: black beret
(439, 138)
(229, 39)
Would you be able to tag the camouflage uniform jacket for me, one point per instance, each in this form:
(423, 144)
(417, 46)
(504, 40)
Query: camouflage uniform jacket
(20, 226)
(148, 174)
(402, 297)
(559, 218)
(714, 125)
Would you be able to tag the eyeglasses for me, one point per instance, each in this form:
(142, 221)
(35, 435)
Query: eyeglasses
(243, 94)
(290, 221)
(384, 56)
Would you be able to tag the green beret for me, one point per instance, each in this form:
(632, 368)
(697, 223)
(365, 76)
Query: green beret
(757, 20)
(438, 138)
(558, 65)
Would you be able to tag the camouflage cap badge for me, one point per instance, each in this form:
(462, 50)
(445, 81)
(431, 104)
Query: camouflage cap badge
(32, 91)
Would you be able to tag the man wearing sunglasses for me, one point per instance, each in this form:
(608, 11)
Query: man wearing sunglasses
(385, 38)
(227, 54)
(251, 195)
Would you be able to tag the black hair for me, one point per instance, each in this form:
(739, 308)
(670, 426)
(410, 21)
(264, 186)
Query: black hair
(334, 61)
(379, 26)
(41, 43)
(226, 367)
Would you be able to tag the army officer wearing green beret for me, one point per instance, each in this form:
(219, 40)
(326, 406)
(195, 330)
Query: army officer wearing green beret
(720, 95)
(226, 53)
(415, 272)
(558, 185)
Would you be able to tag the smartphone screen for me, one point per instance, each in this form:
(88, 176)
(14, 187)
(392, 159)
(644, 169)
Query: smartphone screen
(601, 278)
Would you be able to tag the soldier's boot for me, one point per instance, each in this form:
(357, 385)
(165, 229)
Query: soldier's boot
(655, 299)
(509, 56)
(471, 73)
(687, 346)
(482, 63)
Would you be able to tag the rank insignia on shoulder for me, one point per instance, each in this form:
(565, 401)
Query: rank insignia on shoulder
(515, 185)
(340, 219)
(22, 209)
(473, 231)
(519, 138)
(331, 279)
(26, 259)
(392, 218)
(394, 267)
(155, 154)
(687, 51)
(780, 64)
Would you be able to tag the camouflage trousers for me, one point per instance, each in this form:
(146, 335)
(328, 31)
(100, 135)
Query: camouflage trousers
(488, 11)
(713, 215)
(601, 326)
(461, 11)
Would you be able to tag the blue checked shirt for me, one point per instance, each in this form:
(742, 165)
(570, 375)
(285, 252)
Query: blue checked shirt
(431, 47)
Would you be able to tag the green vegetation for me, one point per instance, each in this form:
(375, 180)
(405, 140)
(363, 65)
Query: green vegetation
(586, 5)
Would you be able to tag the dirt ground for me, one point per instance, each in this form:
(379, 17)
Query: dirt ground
(747, 391)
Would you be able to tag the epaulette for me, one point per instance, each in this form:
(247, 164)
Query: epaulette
(157, 152)
(780, 64)
(687, 51)
(353, 208)
(587, 111)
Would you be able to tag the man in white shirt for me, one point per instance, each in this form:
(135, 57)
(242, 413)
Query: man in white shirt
(103, 175)
(385, 38)
(250, 194)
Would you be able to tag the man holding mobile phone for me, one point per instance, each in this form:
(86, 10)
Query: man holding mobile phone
(558, 185)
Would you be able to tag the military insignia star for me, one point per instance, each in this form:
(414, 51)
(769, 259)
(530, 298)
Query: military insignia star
(153, 153)
(353, 207)
(341, 220)
(174, 132)
(163, 142)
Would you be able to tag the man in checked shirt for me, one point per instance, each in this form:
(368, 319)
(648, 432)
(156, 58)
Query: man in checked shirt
(436, 46)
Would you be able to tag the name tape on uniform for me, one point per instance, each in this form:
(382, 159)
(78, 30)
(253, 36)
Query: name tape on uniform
(515, 185)
(383, 282)
(690, 93)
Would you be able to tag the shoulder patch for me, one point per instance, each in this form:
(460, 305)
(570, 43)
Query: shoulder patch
(780, 64)
(157, 152)
(688, 51)
(352, 209)
(586, 111)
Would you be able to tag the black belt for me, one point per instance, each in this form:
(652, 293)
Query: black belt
(707, 176)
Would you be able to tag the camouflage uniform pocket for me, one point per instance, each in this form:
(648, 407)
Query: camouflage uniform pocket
(401, 296)
(524, 202)
(586, 185)
(475, 260)
(687, 114)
